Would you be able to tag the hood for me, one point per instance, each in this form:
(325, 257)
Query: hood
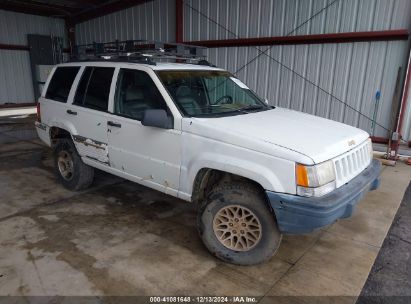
(317, 138)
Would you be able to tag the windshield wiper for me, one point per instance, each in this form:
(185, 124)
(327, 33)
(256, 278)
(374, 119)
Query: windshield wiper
(243, 110)
(251, 108)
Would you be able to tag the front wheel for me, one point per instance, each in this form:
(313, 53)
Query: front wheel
(236, 225)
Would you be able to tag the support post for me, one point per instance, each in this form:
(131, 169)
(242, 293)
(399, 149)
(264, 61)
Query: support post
(179, 21)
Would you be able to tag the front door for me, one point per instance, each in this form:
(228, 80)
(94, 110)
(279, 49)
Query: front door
(149, 155)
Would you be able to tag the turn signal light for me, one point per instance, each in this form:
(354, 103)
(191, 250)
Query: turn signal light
(301, 175)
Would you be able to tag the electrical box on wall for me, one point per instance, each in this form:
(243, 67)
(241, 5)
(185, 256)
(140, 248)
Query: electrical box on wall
(42, 72)
(45, 51)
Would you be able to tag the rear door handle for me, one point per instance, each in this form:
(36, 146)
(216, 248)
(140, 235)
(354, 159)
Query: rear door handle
(71, 112)
(113, 124)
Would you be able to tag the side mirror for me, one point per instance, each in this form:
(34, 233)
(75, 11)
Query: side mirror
(266, 100)
(157, 118)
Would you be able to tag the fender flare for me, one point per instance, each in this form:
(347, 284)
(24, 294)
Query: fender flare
(263, 176)
(65, 125)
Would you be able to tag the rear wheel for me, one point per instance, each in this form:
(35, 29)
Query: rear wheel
(69, 168)
(237, 226)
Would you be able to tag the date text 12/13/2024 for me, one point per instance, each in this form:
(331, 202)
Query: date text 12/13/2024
(204, 299)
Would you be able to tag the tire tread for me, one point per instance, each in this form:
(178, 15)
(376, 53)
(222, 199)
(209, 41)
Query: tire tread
(256, 199)
(85, 175)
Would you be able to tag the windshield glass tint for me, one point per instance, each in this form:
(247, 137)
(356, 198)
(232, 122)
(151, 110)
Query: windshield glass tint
(210, 93)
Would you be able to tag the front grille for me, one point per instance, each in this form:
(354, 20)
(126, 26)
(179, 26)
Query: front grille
(352, 163)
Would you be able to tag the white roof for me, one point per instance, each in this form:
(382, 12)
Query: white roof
(158, 67)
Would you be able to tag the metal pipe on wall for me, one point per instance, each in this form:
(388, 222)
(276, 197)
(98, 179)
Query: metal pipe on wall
(403, 106)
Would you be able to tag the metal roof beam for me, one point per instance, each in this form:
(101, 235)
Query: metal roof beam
(86, 3)
(36, 8)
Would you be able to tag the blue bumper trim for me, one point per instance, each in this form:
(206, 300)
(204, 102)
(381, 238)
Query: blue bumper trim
(296, 214)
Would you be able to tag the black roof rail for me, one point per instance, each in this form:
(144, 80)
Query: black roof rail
(140, 51)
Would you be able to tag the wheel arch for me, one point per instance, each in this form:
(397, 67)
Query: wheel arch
(256, 172)
(56, 133)
(61, 129)
(206, 178)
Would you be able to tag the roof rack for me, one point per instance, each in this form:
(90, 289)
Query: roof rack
(140, 51)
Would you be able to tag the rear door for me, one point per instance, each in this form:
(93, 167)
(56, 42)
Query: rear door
(89, 112)
(54, 100)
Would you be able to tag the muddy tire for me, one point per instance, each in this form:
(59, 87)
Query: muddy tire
(69, 168)
(237, 226)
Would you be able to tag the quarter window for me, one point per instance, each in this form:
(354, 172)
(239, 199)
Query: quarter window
(136, 92)
(94, 88)
(60, 84)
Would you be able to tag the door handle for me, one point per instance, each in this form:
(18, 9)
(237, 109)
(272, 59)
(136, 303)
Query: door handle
(113, 124)
(71, 112)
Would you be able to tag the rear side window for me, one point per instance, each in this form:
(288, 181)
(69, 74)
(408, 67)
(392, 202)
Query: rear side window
(94, 88)
(60, 84)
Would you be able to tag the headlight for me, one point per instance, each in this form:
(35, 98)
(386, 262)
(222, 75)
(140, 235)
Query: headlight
(315, 180)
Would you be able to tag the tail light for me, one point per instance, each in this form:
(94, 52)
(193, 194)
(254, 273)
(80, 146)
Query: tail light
(38, 112)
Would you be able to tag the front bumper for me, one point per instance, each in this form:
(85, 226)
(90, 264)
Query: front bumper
(296, 214)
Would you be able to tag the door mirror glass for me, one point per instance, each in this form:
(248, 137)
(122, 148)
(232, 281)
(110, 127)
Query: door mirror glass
(157, 118)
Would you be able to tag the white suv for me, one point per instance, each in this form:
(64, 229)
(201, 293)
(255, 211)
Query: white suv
(198, 133)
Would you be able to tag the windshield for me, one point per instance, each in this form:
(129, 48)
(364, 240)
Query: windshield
(210, 93)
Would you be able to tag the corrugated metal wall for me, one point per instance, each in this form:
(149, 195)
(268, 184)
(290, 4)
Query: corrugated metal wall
(265, 18)
(154, 20)
(15, 74)
(352, 72)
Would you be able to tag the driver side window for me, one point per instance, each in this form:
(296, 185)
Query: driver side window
(135, 93)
